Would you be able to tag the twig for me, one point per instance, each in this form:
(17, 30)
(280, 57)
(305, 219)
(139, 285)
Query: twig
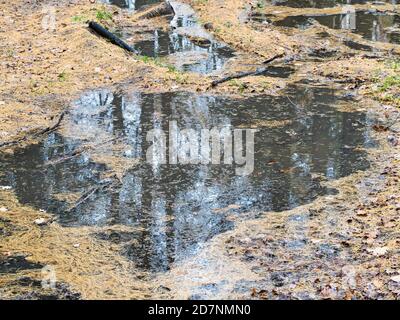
(87, 195)
(77, 153)
(34, 135)
(259, 71)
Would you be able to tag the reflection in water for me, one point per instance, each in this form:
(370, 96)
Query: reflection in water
(188, 45)
(131, 4)
(179, 207)
(209, 56)
(372, 26)
(323, 3)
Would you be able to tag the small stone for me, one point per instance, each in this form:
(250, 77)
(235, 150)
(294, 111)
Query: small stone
(41, 222)
(396, 279)
(77, 245)
(393, 140)
(5, 187)
(208, 26)
(3, 209)
(2, 103)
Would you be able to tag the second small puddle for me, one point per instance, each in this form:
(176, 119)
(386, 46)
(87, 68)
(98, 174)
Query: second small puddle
(324, 3)
(371, 26)
(184, 53)
(131, 4)
(187, 46)
(302, 135)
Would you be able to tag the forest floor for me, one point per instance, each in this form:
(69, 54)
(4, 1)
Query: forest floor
(350, 241)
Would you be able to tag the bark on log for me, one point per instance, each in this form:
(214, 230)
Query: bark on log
(100, 30)
(162, 9)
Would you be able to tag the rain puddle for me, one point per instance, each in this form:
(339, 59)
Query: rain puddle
(187, 45)
(370, 25)
(131, 4)
(325, 3)
(302, 139)
(184, 53)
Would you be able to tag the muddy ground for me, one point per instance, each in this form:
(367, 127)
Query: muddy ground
(343, 246)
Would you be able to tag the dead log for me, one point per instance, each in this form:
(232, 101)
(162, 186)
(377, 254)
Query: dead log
(239, 75)
(162, 9)
(100, 30)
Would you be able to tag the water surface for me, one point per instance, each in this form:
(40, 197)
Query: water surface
(131, 4)
(203, 57)
(325, 3)
(371, 26)
(302, 138)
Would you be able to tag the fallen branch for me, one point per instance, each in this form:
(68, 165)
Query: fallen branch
(76, 153)
(87, 195)
(55, 126)
(35, 135)
(274, 58)
(101, 31)
(258, 72)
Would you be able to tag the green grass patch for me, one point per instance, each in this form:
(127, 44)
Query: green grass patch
(389, 83)
(62, 76)
(79, 18)
(103, 15)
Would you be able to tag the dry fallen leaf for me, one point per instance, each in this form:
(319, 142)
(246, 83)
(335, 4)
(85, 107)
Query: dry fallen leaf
(380, 251)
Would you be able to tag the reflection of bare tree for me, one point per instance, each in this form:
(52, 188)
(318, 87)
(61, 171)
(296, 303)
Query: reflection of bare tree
(205, 59)
(321, 3)
(375, 27)
(180, 207)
